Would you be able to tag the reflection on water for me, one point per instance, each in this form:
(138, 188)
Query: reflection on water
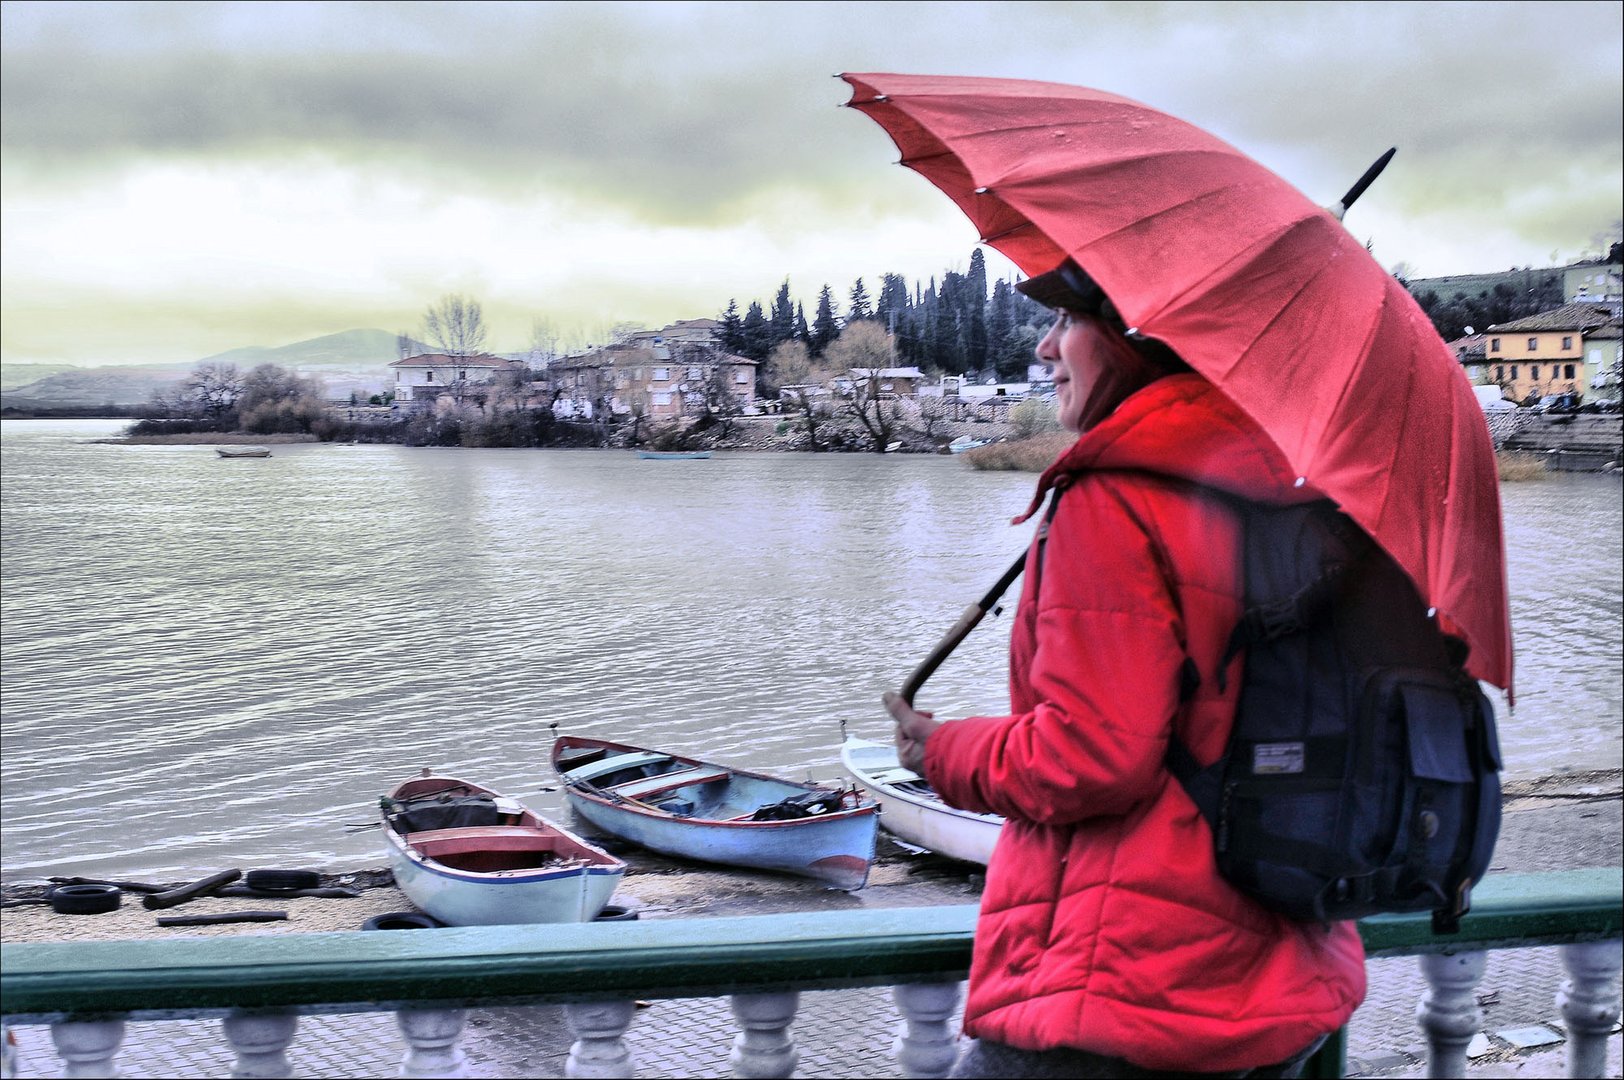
(213, 663)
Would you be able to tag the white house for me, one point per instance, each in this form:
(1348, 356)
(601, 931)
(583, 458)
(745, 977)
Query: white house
(421, 379)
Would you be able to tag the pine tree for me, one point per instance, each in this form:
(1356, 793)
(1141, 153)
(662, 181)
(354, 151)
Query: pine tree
(860, 306)
(824, 327)
(974, 319)
(1000, 325)
(755, 334)
(802, 334)
(730, 335)
(782, 321)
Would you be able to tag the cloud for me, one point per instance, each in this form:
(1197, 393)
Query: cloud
(595, 162)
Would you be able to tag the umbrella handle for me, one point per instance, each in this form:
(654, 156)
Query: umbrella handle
(959, 631)
(944, 648)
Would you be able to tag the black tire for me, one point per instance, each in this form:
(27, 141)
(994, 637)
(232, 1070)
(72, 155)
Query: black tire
(281, 880)
(85, 899)
(401, 920)
(616, 913)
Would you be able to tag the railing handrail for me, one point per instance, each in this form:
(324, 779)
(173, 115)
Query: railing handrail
(359, 971)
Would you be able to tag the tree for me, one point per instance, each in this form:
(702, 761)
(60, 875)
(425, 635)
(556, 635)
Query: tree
(860, 308)
(544, 344)
(730, 334)
(712, 390)
(214, 389)
(973, 321)
(824, 327)
(274, 399)
(456, 325)
(756, 334)
(803, 385)
(782, 320)
(861, 352)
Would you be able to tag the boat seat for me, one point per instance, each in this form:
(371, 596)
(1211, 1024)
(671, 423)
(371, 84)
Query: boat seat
(897, 775)
(614, 764)
(655, 785)
(483, 837)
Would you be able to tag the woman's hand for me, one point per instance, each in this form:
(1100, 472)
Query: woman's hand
(913, 728)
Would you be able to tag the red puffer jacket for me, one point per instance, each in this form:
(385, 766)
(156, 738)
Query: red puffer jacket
(1104, 924)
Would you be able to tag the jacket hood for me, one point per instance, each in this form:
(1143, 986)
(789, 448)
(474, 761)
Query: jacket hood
(1184, 428)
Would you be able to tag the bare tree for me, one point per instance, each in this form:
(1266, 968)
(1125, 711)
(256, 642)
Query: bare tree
(275, 399)
(214, 388)
(544, 344)
(705, 377)
(866, 350)
(803, 384)
(932, 411)
(456, 325)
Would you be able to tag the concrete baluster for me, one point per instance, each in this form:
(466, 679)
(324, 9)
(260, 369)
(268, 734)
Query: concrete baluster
(926, 1046)
(261, 1041)
(1589, 1001)
(599, 1050)
(87, 1047)
(763, 1047)
(1448, 1013)
(431, 1037)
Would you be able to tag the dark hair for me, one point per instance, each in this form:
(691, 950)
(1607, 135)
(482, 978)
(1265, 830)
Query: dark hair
(1069, 288)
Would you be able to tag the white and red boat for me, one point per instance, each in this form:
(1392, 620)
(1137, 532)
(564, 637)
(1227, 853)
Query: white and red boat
(471, 857)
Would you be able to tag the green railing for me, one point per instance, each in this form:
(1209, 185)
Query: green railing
(456, 968)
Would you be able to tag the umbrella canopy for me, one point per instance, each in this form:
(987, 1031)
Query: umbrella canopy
(1259, 289)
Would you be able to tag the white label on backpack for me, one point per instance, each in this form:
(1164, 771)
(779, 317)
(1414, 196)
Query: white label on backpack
(1272, 759)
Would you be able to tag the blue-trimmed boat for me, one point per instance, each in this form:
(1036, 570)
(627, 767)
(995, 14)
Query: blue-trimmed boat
(471, 857)
(713, 813)
(674, 455)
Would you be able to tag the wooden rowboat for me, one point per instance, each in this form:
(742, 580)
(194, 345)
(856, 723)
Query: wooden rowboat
(470, 857)
(912, 811)
(674, 455)
(696, 810)
(242, 451)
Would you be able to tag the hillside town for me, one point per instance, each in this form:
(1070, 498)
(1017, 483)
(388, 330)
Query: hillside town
(1534, 375)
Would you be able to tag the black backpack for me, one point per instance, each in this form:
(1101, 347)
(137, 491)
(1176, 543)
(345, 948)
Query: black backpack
(1362, 773)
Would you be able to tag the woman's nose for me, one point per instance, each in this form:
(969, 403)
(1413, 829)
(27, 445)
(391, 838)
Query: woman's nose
(1048, 347)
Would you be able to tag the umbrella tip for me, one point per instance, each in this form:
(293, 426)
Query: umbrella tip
(1341, 206)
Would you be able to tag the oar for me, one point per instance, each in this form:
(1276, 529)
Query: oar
(960, 630)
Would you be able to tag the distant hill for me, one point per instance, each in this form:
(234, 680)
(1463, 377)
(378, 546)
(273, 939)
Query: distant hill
(352, 361)
(352, 348)
(1472, 285)
(14, 375)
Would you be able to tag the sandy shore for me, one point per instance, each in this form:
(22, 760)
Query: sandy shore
(1553, 823)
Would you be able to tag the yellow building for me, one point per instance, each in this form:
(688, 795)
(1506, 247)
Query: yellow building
(1543, 355)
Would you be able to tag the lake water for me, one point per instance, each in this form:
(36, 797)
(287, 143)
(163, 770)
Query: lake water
(211, 663)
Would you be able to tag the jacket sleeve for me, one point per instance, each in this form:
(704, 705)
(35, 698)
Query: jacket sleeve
(1102, 683)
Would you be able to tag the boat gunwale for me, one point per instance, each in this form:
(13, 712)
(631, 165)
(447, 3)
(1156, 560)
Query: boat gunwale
(585, 789)
(603, 863)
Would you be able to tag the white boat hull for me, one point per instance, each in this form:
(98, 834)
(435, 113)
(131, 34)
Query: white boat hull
(513, 867)
(569, 895)
(922, 820)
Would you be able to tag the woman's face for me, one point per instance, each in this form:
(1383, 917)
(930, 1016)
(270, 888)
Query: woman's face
(1095, 368)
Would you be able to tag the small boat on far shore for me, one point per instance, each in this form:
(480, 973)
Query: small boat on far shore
(243, 451)
(674, 455)
(965, 442)
(696, 810)
(471, 857)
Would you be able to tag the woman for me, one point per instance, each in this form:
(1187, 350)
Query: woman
(1108, 945)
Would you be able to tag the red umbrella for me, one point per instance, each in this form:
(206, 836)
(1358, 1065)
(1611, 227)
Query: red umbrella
(1258, 288)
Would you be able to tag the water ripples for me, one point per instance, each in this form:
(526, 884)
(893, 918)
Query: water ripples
(213, 663)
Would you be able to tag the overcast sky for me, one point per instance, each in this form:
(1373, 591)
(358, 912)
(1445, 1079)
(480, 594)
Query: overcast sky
(180, 179)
